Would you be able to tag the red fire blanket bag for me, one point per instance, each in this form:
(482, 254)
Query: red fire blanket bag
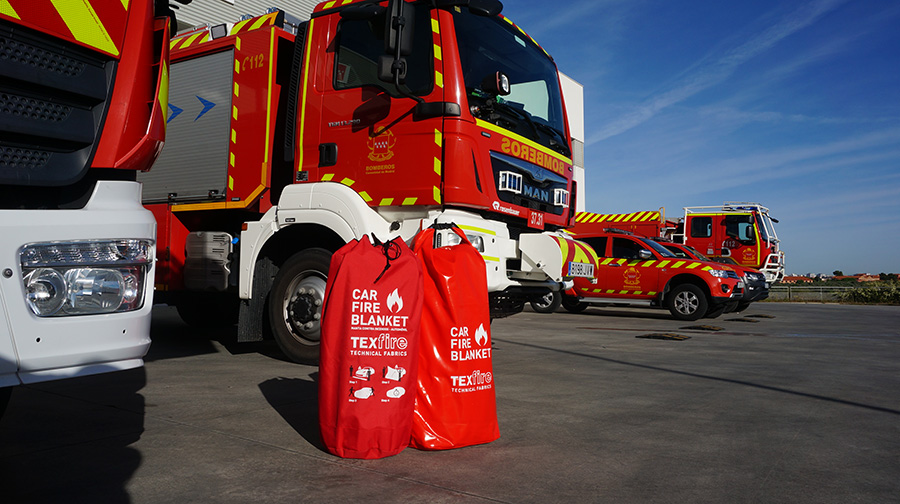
(455, 400)
(369, 348)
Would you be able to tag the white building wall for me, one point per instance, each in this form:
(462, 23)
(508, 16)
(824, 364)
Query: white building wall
(573, 94)
(200, 12)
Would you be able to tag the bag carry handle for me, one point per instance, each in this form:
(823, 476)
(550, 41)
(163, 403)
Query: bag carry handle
(435, 237)
(391, 251)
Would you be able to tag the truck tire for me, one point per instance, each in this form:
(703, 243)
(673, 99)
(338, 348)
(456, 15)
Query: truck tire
(572, 304)
(295, 304)
(548, 303)
(687, 302)
(715, 311)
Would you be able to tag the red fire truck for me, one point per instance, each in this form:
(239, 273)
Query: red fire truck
(743, 232)
(83, 87)
(288, 141)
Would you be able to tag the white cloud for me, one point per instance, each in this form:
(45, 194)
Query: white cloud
(707, 75)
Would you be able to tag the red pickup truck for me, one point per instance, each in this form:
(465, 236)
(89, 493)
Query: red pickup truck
(634, 270)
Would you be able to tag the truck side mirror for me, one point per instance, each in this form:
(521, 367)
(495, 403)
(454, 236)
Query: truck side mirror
(362, 12)
(645, 254)
(398, 30)
(386, 66)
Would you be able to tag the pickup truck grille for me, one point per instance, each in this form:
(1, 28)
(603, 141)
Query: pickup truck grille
(53, 98)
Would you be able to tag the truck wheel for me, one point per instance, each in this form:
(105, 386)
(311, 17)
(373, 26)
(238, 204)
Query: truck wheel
(295, 304)
(715, 311)
(687, 302)
(548, 303)
(572, 304)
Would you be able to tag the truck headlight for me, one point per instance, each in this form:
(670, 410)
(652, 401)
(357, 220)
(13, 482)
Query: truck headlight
(718, 273)
(85, 277)
(476, 240)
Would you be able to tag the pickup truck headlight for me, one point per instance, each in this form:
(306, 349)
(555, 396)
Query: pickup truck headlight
(718, 273)
(85, 277)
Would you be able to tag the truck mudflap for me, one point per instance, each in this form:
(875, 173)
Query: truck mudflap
(39, 348)
(558, 256)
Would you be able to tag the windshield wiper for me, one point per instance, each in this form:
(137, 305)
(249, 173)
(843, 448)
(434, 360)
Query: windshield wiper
(562, 148)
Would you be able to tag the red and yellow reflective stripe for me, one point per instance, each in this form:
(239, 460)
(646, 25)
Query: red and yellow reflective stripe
(590, 218)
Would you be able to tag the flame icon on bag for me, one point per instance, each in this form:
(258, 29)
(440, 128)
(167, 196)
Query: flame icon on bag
(394, 302)
(481, 336)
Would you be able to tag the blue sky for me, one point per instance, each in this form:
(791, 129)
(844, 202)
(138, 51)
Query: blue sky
(792, 104)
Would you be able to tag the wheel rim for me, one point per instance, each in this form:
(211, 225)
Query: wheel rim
(546, 300)
(302, 307)
(686, 303)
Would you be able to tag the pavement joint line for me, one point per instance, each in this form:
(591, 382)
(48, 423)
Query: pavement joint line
(771, 388)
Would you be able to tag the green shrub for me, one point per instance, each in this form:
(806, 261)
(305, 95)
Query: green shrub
(873, 293)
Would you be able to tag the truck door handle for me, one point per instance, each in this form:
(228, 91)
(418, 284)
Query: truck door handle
(327, 154)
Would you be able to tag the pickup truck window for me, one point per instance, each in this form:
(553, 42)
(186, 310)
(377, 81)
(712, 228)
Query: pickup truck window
(598, 243)
(625, 248)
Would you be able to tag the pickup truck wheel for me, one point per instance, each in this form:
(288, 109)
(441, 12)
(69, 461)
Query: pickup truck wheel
(715, 311)
(295, 304)
(572, 304)
(687, 302)
(548, 303)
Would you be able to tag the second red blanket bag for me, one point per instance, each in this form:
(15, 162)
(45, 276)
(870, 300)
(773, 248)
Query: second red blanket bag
(369, 347)
(455, 399)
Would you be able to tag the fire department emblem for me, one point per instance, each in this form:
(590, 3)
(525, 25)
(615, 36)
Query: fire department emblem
(381, 147)
(632, 277)
(749, 255)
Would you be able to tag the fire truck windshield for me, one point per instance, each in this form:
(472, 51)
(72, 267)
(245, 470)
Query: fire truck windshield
(766, 228)
(533, 108)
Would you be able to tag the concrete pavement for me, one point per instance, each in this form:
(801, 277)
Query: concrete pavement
(802, 407)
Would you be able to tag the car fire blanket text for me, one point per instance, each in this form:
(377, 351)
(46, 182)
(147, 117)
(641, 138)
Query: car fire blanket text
(455, 398)
(369, 349)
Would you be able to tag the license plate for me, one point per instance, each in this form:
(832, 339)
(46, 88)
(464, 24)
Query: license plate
(535, 219)
(579, 269)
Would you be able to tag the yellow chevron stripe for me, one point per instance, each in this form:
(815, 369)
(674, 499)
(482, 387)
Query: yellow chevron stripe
(409, 201)
(437, 194)
(386, 201)
(7, 10)
(84, 24)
